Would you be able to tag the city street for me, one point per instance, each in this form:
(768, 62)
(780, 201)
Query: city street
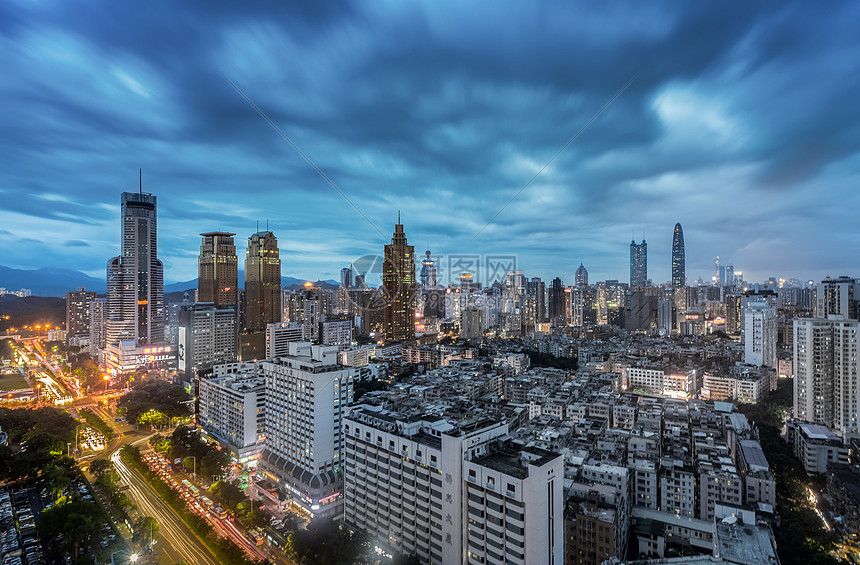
(176, 542)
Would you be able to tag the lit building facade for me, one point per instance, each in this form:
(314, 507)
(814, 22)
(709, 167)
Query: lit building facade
(218, 270)
(398, 283)
(679, 266)
(134, 323)
(307, 394)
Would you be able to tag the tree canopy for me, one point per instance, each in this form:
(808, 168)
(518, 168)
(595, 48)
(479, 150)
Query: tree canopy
(161, 396)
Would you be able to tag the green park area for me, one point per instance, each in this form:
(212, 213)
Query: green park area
(12, 381)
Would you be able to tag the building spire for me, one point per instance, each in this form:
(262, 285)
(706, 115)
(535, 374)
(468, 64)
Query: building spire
(398, 216)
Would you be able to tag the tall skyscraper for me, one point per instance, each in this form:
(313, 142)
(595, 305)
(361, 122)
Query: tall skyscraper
(78, 313)
(537, 289)
(428, 272)
(826, 373)
(638, 263)
(135, 279)
(262, 294)
(581, 276)
(555, 303)
(262, 282)
(346, 277)
(135, 290)
(679, 276)
(398, 283)
(218, 270)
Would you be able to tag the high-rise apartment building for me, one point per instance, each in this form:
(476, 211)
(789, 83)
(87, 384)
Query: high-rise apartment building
(218, 270)
(836, 296)
(452, 492)
(207, 336)
(262, 293)
(78, 312)
(679, 268)
(232, 409)
(537, 289)
(135, 291)
(337, 331)
(760, 335)
(398, 283)
(826, 387)
(307, 394)
(98, 329)
(638, 263)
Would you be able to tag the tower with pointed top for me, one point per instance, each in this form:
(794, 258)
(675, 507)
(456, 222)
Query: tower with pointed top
(679, 276)
(581, 275)
(398, 283)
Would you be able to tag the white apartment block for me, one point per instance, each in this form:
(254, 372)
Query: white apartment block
(826, 387)
(337, 333)
(519, 362)
(680, 384)
(306, 399)
(760, 334)
(815, 445)
(747, 388)
(232, 410)
(451, 492)
(279, 335)
(358, 357)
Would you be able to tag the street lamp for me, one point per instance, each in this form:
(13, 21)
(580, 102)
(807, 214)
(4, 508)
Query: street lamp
(77, 428)
(132, 557)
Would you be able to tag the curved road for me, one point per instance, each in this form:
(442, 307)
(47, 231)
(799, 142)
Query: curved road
(176, 542)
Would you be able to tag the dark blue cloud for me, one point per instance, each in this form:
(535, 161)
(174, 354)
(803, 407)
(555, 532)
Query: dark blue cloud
(740, 118)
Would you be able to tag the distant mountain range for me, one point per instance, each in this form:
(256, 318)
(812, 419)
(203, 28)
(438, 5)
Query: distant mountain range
(55, 282)
(286, 282)
(49, 281)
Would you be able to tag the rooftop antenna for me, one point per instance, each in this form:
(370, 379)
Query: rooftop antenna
(267, 224)
(398, 216)
(141, 181)
(258, 225)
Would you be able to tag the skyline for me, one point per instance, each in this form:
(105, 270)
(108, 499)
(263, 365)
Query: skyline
(738, 118)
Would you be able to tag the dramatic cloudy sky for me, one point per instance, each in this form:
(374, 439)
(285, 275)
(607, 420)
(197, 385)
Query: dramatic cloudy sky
(743, 124)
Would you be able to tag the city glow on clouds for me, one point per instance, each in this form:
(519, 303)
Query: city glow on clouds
(741, 118)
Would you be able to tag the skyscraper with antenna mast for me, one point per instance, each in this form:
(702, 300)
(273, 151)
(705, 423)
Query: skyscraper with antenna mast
(134, 320)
